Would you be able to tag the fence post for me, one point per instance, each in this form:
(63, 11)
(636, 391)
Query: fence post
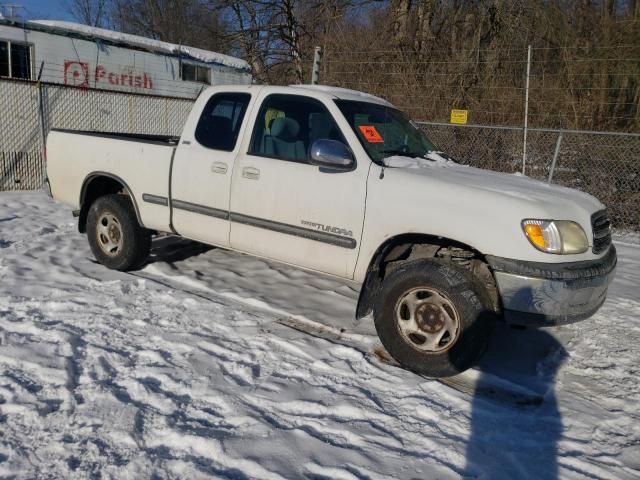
(555, 157)
(315, 71)
(526, 111)
(43, 133)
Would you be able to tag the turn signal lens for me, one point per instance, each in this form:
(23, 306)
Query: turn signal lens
(556, 236)
(534, 234)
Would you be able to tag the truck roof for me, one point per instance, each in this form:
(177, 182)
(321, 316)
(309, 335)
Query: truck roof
(343, 93)
(315, 90)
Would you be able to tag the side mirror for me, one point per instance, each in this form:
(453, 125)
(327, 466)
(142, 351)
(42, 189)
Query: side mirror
(331, 154)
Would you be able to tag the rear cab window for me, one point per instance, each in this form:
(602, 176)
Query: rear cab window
(219, 124)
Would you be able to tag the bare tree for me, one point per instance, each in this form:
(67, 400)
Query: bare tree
(634, 9)
(251, 37)
(89, 12)
(425, 16)
(187, 22)
(269, 33)
(277, 36)
(400, 11)
(427, 56)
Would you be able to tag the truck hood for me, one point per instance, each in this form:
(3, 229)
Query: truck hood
(437, 167)
(477, 207)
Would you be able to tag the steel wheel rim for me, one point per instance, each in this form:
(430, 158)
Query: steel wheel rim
(109, 233)
(427, 320)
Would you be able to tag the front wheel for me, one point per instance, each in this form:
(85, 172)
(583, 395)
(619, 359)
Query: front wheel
(116, 238)
(430, 318)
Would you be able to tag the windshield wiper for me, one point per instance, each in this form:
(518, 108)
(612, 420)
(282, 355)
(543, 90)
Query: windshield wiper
(442, 155)
(402, 153)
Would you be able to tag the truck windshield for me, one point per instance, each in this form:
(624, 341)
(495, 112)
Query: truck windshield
(385, 131)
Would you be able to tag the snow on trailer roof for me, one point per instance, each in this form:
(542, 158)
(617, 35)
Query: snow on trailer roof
(198, 54)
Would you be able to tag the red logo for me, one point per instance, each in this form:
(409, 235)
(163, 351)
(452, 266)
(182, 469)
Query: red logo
(123, 79)
(76, 73)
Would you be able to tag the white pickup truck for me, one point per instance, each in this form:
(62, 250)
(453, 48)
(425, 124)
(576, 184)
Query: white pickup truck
(343, 183)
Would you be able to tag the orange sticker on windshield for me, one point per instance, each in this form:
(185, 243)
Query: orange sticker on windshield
(370, 133)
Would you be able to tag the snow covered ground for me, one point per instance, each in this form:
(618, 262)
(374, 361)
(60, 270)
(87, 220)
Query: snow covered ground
(186, 369)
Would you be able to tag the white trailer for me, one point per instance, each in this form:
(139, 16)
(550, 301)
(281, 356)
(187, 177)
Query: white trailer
(88, 57)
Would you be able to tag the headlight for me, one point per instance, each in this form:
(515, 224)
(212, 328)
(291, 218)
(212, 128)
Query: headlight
(556, 236)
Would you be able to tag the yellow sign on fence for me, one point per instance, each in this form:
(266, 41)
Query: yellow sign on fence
(459, 116)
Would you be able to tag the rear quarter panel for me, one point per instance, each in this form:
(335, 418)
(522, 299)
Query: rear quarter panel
(144, 166)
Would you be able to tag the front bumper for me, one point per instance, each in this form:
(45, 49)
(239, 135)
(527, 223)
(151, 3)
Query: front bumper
(544, 294)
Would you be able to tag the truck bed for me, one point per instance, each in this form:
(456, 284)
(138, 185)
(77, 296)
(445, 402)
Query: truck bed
(140, 162)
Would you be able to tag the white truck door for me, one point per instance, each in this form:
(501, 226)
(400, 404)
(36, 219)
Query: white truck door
(202, 168)
(284, 208)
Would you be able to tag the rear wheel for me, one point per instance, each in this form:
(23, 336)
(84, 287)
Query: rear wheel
(116, 238)
(431, 319)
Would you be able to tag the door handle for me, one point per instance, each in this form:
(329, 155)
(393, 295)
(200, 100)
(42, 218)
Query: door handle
(219, 167)
(251, 173)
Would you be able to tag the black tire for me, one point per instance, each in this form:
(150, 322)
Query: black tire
(448, 282)
(132, 242)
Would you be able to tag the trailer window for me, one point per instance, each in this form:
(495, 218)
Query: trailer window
(15, 60)
(196, 73)
(4, 59)
(20, 61)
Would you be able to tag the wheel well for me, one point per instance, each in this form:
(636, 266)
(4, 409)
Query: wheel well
(408, 247)
(97, 186)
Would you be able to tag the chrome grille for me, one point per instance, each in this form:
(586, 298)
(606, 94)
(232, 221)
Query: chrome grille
(601, 226)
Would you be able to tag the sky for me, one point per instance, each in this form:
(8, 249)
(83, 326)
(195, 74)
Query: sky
(41, 9)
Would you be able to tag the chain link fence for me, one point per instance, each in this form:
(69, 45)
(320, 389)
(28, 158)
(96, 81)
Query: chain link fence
(21, 165)
(28, 110)
(606, 165)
